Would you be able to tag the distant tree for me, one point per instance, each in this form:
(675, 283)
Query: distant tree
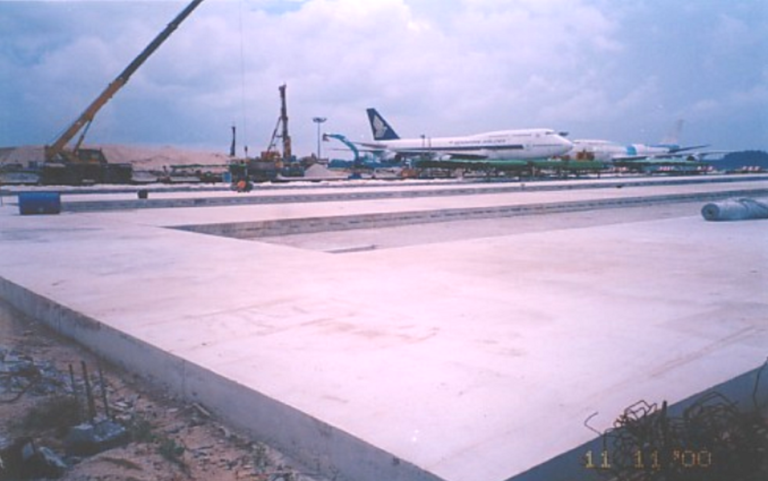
(745, 158)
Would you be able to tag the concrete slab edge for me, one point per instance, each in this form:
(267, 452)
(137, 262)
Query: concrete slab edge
(569, 466)
(320, 448)
(305, 196)
(308, 225)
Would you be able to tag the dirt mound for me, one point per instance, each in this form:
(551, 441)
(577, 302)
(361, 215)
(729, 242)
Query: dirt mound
(152, 158)
(142, 157)
(22, 155)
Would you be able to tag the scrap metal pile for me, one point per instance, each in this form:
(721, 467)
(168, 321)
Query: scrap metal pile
(712, 440)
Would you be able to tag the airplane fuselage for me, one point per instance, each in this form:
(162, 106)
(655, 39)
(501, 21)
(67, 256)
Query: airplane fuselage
(521, 144)
(606, 151)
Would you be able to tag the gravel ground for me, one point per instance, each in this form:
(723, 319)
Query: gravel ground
(170, 440)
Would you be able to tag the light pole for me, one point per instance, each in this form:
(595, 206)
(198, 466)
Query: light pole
(318, 121)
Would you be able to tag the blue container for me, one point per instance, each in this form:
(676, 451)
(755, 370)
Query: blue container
(31, 203)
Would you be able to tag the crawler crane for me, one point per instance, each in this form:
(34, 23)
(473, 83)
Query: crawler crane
(80, 165)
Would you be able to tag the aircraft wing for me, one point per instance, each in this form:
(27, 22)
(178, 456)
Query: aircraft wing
(687, 149)
(366, 147)
(701, 155)
(446, 155)
(668, 159)
(659, 161)
(413, 153)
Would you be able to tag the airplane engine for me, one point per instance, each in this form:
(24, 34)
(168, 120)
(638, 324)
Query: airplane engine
(388, 157)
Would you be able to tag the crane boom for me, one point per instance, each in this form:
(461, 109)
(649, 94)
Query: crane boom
(84, 120)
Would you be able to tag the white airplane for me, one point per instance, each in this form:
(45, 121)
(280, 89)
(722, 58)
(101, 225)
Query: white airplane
(667, 151)
(526, 144)
(607, 151)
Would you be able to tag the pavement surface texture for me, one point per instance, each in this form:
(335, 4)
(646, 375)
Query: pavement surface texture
(474, 356)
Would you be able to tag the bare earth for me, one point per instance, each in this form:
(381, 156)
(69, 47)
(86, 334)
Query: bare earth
(177, 441)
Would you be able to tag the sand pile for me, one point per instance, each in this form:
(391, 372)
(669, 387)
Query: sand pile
(22, 155)
(142, 157)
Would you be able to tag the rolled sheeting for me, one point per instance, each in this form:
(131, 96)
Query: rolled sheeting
(736, 209)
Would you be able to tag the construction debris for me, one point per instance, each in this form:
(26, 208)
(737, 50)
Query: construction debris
(714, 439)
(50, 427)
(24, 459)
(88, 439)
(20, 374)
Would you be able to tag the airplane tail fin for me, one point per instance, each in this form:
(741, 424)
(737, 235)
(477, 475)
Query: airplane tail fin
(673, 137)
(672, 140)
(380, 128)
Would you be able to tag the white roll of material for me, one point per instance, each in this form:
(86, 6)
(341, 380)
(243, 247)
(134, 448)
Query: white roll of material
(736, 209)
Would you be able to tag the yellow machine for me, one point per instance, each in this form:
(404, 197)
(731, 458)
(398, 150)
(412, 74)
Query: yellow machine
(78, 165)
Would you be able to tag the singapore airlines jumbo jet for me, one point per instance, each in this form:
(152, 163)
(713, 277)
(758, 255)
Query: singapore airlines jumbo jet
(525, 144)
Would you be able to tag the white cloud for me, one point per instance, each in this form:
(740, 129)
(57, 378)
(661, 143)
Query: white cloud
(732, 35)
(437, 67)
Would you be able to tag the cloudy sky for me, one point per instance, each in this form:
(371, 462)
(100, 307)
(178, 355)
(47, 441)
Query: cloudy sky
(622, 70)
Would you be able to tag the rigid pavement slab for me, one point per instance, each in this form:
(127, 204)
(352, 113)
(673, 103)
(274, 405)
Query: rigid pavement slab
(476, 359)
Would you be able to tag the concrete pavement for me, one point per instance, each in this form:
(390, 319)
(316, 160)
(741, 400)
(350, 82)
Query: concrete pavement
(471, 359)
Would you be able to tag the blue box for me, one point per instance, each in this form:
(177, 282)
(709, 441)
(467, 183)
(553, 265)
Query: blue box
(31, 203)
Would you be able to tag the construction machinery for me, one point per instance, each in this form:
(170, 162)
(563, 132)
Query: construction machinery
(282, 120)
(271, 165)
(358, 166)
(80, 165)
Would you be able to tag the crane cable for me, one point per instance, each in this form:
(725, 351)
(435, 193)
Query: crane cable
(242, 76)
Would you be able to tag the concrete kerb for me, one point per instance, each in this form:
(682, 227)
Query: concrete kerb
(319, 447)
(303, 196)
(308, 225)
